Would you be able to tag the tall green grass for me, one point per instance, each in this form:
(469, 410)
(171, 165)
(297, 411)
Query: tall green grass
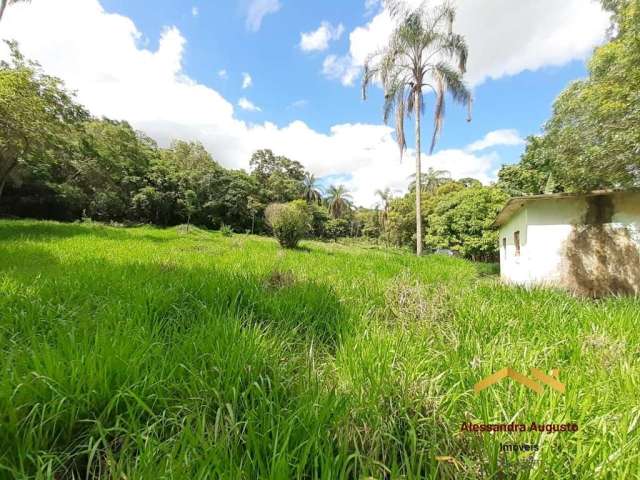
(145, 353)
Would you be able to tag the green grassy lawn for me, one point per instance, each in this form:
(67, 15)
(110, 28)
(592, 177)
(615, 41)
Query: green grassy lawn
(146, 353)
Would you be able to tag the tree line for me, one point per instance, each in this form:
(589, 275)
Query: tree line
(59, 162)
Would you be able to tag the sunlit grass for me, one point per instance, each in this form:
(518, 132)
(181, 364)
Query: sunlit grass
(146, 353)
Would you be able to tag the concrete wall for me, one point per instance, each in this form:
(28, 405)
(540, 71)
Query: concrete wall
(589, 245)
(514, 268)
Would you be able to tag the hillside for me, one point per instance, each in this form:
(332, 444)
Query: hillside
(149, 353)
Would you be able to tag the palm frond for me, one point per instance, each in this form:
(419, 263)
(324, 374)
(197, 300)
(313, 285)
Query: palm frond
(438, 115)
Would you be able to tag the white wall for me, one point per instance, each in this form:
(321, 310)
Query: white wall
(514, 268)
(545, 227)
(550, 222)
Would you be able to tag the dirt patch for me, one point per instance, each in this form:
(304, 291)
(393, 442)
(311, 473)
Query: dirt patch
(279, 279)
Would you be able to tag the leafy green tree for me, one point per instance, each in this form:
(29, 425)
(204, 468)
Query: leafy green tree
(461, 221)
(189, 203)
(592, 140)
(370, 222)
(319, 218)
(531, 175)
(36, 114)
(338, 200)
(109, 165)
(282, 179)
(423, 52)
(337, 228)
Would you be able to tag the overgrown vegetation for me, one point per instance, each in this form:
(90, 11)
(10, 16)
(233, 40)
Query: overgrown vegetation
(146, 353)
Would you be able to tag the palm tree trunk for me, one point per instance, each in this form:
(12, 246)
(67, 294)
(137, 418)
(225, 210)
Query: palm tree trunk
(4, 174)
(3, 5)
(418, 179)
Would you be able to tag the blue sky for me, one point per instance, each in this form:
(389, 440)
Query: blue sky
(177, 70)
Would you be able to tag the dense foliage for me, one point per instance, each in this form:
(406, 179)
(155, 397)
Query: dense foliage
(457, 217)
(592, 140)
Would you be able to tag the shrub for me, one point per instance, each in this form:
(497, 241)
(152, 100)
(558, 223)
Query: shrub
(289, 222)
(336, 228)
(226, 230)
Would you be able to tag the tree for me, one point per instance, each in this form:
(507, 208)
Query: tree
(282, 179)
(312, 192)
(431, 180)
(423, 52)
(109, 164)
(592, 140)
(189, 203)
(531, 174)
(385, 198)
(36, 113)
(338, 200)
(461, 221)
(4, 3)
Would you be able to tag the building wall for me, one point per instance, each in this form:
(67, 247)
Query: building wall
(514, 268)
(590, 245)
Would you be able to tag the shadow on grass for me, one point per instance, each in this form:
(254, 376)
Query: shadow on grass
(18, 230)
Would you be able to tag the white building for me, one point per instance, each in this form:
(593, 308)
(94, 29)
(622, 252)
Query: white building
(587, 243)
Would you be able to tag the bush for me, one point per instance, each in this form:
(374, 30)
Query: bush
(319, 217)
(289, 222)
(226, 230)
(336, 228)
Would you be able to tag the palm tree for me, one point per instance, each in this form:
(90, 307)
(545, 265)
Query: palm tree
(431, 180)
(385, 197)
(338, 200)
(420, 54)
(312, 192)
(4, 3)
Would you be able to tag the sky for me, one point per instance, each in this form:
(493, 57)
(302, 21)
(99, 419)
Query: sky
(240, 75)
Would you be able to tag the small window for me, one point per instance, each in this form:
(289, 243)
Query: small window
(516, 241)
(504, 245)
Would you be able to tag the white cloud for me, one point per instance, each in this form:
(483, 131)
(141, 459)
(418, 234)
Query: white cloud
(299, 104)
(194, 11)
(247, 105)
(116, 77)
(247, 81)
(258, 9)
(319, 39)
(341, 68)
(506, 37)
(497, 138)
(223, 74)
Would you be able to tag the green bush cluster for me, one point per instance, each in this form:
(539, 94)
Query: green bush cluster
(289, 222)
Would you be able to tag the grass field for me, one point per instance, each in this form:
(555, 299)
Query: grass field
(148, 354)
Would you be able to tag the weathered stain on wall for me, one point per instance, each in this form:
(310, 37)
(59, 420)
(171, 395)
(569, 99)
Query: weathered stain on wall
(600, 257)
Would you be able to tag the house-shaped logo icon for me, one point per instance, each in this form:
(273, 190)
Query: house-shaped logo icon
(550, 380)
